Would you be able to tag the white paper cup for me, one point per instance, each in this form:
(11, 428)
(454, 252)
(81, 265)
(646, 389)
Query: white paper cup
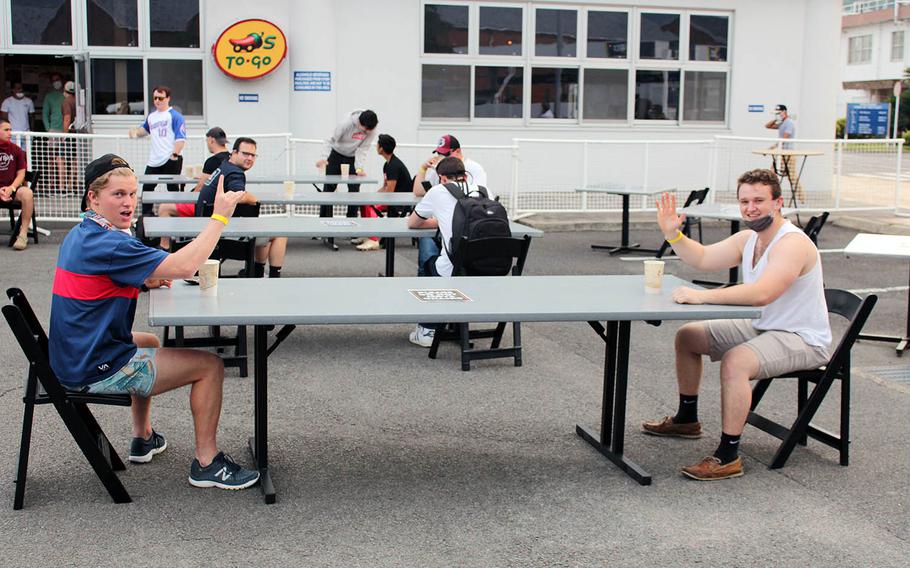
(288, 188)
(345, 170)
(321, 170)
(208, 277)
(654, 274)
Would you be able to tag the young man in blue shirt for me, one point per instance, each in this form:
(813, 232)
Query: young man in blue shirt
(100, 270)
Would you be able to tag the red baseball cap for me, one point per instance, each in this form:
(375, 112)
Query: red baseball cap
(446, 145)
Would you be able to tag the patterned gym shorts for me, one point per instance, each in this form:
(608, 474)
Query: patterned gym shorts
(136, 377)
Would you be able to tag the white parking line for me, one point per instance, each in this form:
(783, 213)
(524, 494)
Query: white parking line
(860, 291)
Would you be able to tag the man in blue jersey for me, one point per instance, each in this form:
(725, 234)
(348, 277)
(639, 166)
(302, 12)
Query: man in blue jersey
(168, 136)
(100, 270)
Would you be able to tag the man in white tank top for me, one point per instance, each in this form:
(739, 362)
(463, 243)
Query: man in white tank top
(782, 273)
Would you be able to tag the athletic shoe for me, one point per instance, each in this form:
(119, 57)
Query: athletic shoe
(368, 244)
(21, 242)
(422, 336)
(357, 241)
(666, 427)
(710, 469)
(223, 473)
(142, 451)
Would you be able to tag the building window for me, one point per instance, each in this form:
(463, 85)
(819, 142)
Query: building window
(112, 22)
(498, 92)
(446, 92)
(656, 95)
(860, 49)
(705, 96)
(174, 23)
(554, 92)
(897, 46)
(556, 33)
(708, 38)
(184, 77)
(48, 22)
(606, 94)
(607, 34)
(659, 36)
(445, 29)
(500, 31)
(117, 86)
(484, 62)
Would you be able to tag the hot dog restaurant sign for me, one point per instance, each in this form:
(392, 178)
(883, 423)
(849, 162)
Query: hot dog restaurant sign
(250, 49)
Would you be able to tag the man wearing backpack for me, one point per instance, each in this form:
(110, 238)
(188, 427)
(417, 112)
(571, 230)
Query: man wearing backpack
(471, 214)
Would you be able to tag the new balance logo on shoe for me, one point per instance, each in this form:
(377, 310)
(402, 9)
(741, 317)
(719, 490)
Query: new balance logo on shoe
(223, 473)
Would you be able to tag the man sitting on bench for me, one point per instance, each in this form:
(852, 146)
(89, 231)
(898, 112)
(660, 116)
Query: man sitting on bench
(782, 272)
(100, 270)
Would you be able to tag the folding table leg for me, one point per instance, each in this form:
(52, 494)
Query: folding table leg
(259, 443)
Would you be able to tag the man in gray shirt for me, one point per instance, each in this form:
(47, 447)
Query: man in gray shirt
(786, 128)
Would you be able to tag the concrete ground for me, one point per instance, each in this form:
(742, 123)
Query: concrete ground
(382, 457)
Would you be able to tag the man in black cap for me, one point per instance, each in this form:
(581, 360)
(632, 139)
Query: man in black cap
(101, 268)
(786, 129)
(216, 141)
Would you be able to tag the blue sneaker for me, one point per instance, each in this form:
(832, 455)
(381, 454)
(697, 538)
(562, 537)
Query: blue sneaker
(142, 451)
(223, 473)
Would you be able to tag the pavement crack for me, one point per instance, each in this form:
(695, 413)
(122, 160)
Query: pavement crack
(7, 391)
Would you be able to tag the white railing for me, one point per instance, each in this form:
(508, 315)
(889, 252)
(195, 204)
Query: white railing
(535, 175)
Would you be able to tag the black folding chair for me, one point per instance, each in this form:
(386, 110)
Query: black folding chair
(856, 310)
(814, 226)
(696, 197)
(31, 180)
(243, 249)
(43, 387)
(472, 259)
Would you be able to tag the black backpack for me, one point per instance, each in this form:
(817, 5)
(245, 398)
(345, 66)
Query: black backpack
(477, 218)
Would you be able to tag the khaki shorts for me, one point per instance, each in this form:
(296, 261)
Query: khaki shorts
(778, 352)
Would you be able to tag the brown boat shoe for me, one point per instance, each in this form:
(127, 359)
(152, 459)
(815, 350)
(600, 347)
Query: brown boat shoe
(710, 469)
(666, 427)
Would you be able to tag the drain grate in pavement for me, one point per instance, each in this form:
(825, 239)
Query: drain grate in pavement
(899, 374)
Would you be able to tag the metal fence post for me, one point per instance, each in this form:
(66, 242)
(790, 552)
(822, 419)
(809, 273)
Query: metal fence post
(513, 199)
(584, 175)
(897, 176)
(838, 170)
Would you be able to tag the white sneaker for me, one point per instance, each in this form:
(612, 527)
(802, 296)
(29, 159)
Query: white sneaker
(356, 241)
(368, 244)
(422, 336)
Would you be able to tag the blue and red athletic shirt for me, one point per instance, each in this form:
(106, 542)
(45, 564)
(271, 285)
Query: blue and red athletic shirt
(99, 272)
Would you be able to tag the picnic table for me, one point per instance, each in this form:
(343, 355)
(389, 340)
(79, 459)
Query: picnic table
(617, 300)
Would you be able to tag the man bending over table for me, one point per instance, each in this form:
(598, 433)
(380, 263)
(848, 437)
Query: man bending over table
(100, 270)
(782, 272)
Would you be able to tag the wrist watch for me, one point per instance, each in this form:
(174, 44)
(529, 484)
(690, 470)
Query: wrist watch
(175, 155)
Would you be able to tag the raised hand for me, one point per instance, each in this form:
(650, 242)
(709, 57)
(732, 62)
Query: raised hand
(225, 202)
(667, 218)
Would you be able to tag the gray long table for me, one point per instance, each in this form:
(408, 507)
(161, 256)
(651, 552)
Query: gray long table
(305, 227)
(616, 300)
(626, 191)
(306, 179)
(886, 246)
(277, 196)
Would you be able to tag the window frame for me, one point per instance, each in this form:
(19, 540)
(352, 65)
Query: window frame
(903, 37)
(861, 50)
(6, 41)
(630, 64)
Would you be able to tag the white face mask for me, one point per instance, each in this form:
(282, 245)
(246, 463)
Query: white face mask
(18, 95)
(57, 85)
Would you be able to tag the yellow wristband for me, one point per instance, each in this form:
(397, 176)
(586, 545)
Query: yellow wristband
(221, 218)
(677, 238)
(423, 170)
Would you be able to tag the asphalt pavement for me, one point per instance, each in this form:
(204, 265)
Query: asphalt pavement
(383, 457)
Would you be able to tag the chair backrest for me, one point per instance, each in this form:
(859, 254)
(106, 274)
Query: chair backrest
(37, 357)
(17, 296)
(31, 179)
(696, 197)
(814, 226)
(856, 310)
(472, 253)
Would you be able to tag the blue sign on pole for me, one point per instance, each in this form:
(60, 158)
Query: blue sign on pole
(870, 119)
(312, 80)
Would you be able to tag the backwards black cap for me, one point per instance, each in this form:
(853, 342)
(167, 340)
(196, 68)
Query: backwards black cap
(98, 168)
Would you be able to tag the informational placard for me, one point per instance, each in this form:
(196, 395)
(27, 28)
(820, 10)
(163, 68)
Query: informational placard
(756, 108)
(869, 119)
(248, 97)
(339, 223)
(440, 295)
(312, 80)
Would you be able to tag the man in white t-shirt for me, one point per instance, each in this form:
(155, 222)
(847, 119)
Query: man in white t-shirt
(17, 109)
(436, 210)
(167, 129)
(782, 273)
(427, 177)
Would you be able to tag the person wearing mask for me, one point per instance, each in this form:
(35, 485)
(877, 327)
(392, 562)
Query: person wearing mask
(18, 110)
